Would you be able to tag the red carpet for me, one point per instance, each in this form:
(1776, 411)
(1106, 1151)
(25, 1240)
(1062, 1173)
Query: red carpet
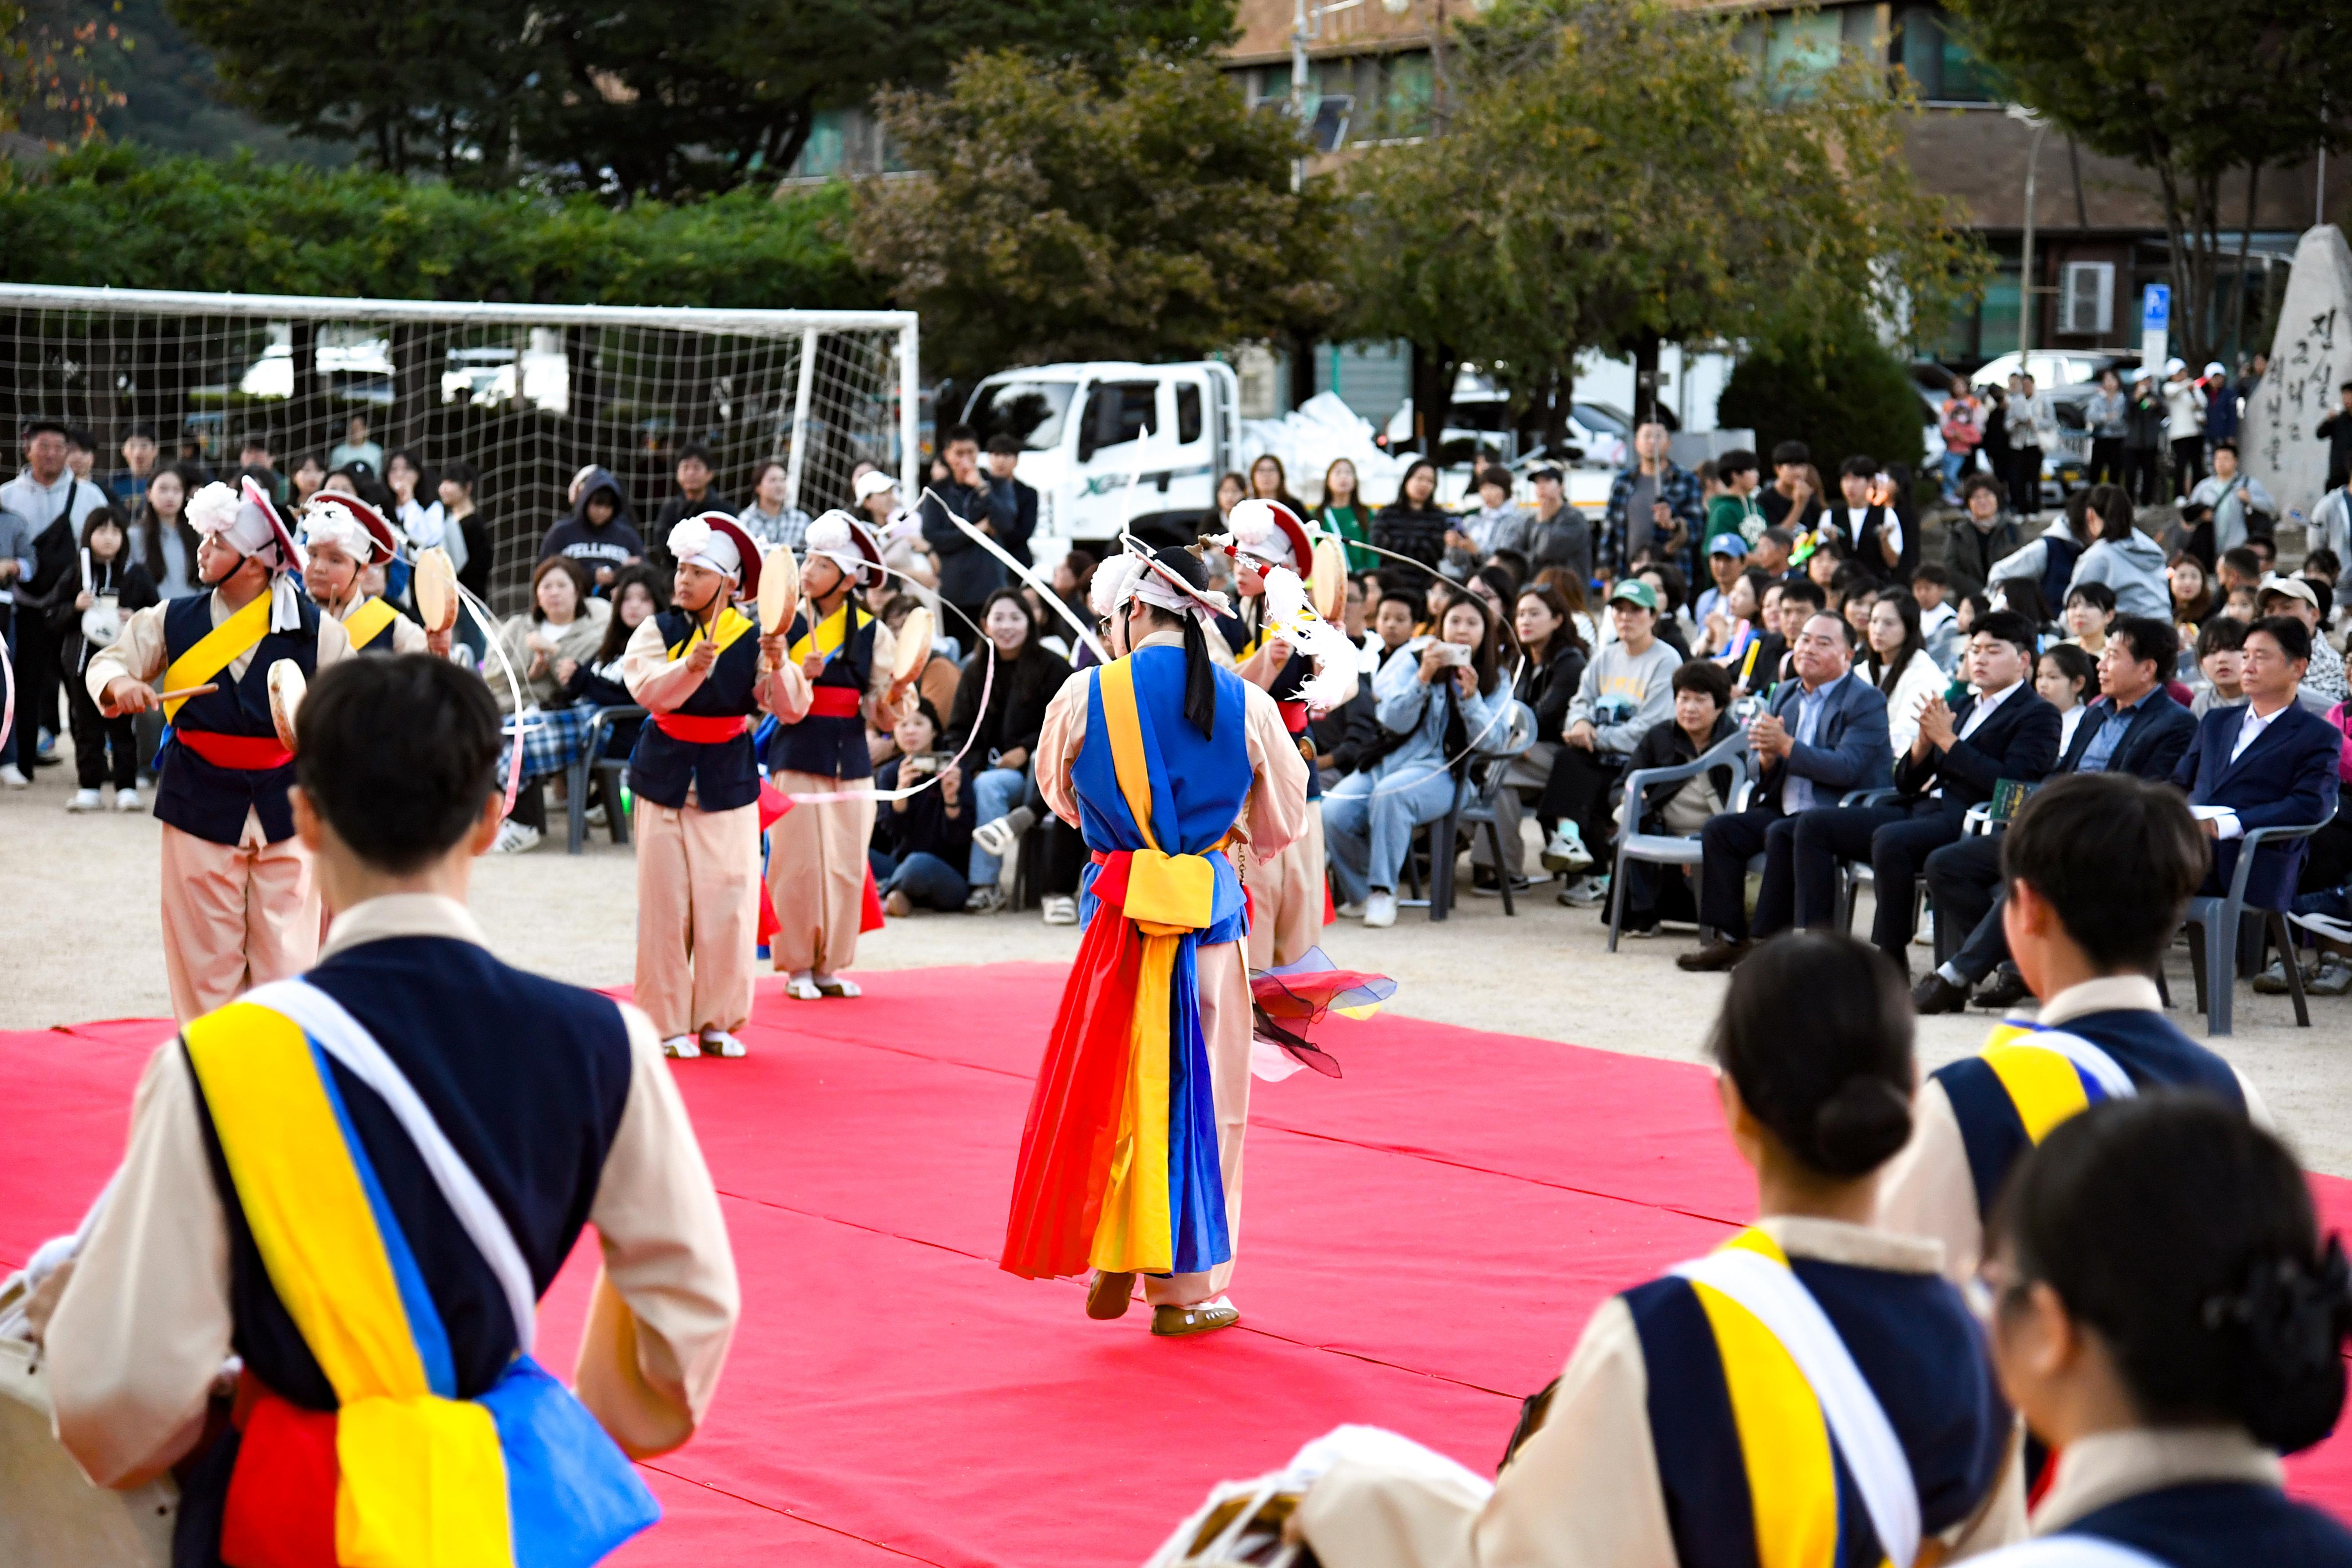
(1420, 1242)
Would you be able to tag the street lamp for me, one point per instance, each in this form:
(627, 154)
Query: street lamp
(2025, 290)
(1306, 22)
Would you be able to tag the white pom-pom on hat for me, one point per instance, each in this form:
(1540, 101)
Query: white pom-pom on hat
(213, 509)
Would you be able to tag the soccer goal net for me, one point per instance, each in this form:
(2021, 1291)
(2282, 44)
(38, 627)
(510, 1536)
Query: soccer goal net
(527, 396)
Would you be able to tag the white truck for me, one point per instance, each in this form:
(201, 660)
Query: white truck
(1110, 443)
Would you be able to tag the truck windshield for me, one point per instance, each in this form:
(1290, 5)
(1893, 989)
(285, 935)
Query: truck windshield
(1031, 411)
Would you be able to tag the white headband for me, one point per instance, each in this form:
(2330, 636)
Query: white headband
(694, 542)
(1133, 574)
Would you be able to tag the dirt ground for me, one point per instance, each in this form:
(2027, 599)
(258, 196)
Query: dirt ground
(79, 939)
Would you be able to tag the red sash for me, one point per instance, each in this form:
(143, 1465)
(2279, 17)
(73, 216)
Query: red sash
(1294, 717)
(248, 753)
(703, 729)
(835, 702)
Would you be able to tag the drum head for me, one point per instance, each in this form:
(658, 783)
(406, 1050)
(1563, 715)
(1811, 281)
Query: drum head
(780, 590)
(914, 642)
(436, 589)
(287, 687)
(1330, 573)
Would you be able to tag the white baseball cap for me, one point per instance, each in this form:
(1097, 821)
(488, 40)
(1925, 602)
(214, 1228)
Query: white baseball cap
(873, 482)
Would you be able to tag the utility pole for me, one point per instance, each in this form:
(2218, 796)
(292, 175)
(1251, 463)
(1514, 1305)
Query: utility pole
(1306, 24)
(2025, 290)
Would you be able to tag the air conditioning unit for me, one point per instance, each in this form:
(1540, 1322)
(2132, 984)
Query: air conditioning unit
(2086, 299)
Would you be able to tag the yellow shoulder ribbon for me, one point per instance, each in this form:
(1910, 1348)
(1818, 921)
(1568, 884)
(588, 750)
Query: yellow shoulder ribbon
(830, 635)
(217, 650)
(369, 622)
(733, 624)
(2042, 1084)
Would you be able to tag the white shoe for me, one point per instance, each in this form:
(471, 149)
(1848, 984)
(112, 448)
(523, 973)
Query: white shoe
(681, 1045)
(1061, 910)
(86, 800)
(1586, 893)
(802, 988)
(1380, 910)
(1352, 909)
(1566, 852)
(514, 838)
(834, 986)
(720, 1043)
(128, 800)
(14, 777)
(984, 900)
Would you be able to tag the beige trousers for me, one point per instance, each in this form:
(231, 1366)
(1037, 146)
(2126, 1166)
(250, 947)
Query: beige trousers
(697, 916)
(1226, 1026)
(1286, 897)
(816, 876)
(234, 916)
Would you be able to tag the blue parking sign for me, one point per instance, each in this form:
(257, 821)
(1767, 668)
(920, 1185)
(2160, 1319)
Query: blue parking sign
(2155, 308)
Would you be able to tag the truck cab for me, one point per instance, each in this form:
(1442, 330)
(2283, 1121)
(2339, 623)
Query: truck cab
(1110, 445)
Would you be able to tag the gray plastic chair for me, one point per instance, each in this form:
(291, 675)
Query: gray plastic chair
(1667, 848)
(1474, 804)
(2219, 921)
(590, 763)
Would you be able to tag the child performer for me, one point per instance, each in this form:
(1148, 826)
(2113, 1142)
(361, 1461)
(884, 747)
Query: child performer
(239, 904)
(831, 680)
(1286, 888)
(343, 537)
(695, 667)
(1130, 1162)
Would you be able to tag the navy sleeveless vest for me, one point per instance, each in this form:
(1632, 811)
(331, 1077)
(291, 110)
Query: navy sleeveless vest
(211, 802)
(723, 774)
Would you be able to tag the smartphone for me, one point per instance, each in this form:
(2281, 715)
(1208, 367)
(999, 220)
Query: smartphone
(1451, 653)
(920, 765)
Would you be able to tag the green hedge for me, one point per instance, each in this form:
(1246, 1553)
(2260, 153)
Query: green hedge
(115, 216)
(1840, 397)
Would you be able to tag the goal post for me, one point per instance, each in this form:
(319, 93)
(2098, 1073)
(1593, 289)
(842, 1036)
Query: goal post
(528, 395)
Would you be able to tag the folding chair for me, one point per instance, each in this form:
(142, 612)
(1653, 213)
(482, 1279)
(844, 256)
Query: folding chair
(2220, 922)
(1664, 848)
(590, 764)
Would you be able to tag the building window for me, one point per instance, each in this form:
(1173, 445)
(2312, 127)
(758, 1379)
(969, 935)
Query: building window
(1938, 62)
(1790, 51)
(2086, 298)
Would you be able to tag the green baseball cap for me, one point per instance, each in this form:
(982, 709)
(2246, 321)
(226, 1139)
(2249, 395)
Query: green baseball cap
(1634, 590)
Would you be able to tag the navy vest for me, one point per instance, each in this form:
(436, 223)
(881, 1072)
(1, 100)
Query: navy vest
(827, 745)
(2153, 1053)
(723, 774)
(2221, 1524)
(529, 1079)
(1922, 1354)
(193, 795)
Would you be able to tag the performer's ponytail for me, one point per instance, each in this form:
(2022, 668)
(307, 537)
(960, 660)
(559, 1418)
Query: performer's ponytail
(1200, 680)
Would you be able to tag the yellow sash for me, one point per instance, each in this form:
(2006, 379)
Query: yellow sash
(369, 622)
(217, 650)
(2042, 1084)
(829, 636)
(1166, 894)
(733, 624)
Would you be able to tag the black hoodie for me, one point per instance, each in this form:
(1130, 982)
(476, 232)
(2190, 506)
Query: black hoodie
(614, 545)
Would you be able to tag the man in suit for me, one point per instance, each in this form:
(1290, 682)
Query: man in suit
(2002, 731)
(2134, 728)
(1825, 734)
(2268, 764)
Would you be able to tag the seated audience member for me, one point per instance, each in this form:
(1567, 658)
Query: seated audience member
(922, 844)
(563, 629)
(598, 532)
(1931, 588)
(2002, 730)
(2099, 869)
(1393, 624)
(1865, 516)
(1899, 665)
(1726, 558)
(1648, 1448)
(2090, 611)
(1675, 626)
(2166, 1315)
(2221, 656)
(2067, 676)
(1004, 734)
(2239, 568)
(2271, 763)
(1801, 600)
(1825, 734)
(1770, 552)
(2322, 682)
(1553, 660)
(1855, 590)
(1679, 807)
(2133, 728)
(1624, 693)
(2050, 560)
(1985, 535)
(553, 744)
(1440, 702)
(2192, 592)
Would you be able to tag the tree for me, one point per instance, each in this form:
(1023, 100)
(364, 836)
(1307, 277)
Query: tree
(1059, 218)
(1614, 175)
(55, 66)
(1842, 393)
(627, 98)
(2189, 90)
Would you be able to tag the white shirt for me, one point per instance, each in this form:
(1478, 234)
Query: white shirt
(40, 504)
(1986, 702)
(2251, 728)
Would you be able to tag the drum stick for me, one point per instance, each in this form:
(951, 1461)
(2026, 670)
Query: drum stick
(184, 692)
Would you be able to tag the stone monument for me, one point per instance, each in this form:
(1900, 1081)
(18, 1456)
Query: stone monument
(2310, 358)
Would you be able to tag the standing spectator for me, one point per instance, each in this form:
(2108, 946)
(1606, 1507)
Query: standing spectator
(1411, 525)
(2331, 519)
(1004, 736)
(310, 477)
(127, 485)
(1981, 537)
(2242, 510)
(1626, 690)
(695, 494)
(421, 517)
(54, 504)
(2336, 431)
(771, 519)
(253, 457)
(1655, 505)
(1995, 445)
(1557, 534)
(2144, 422)
(16, 565)
(2184, 427)
(161, 538)
(599, 534)
(1867, 517)
(1017, 501)
(1267, 481)
(1344, 514)
(1734, 510)
(1232, 491)
(467, 537)
(2108, 413)
(355, 446)
(1554, 655)
(113, 584)
(2297, 600)
(2032, 432)
(81, 451)
(1961, 424)
(1793, 500)
(2121, 556)
(2221, 405)
(967, 574)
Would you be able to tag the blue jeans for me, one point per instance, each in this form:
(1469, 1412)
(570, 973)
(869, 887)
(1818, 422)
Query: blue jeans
(1955, 464)
(1368, 824)
(928, 882)
(993, 793)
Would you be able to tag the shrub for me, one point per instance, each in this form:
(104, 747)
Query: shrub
(1840, 396)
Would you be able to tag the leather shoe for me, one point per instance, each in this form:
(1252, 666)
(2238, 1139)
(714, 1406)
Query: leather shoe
(1714, 958)
(1933, 993)
(1109, 1295)
(2005, 990)
(1174, 1322)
